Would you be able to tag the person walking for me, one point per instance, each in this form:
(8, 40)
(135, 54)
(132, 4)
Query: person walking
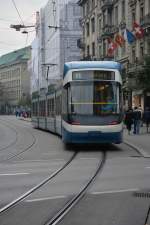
(136, 120)
(146, 117)
(129, 119)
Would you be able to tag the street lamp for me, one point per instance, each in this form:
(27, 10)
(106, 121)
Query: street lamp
(18, 27)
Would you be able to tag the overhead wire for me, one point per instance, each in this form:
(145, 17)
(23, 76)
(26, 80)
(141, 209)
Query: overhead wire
(13, 1)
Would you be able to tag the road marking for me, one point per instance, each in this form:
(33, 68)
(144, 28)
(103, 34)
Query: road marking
(89, 158)
(42, 160)
(48, 198)
(13, 174)
(114, 191)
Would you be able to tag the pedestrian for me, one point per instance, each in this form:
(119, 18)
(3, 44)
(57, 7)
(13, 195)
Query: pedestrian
(146, 117)
(141, 110)
(136, 120)
(129, 119)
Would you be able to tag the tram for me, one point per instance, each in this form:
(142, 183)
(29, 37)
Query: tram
(87, 107)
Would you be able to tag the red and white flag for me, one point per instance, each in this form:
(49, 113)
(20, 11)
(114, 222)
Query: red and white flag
(111, 46)
(119, 39)
(138, 30)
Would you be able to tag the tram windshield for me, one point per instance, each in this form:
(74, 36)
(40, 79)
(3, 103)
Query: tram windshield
(94, 102)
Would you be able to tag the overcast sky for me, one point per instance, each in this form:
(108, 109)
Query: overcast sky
(10, 39)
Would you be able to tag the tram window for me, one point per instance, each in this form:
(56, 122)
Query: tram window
(36, 109)
(42, 108)
(48, 107)
(97, 102)
(64, 101)
(52, 107)
(58, 105)
(33, 105)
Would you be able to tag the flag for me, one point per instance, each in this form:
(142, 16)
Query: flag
(129, 36)
(119, 39)
(111, 46)
(139, 31)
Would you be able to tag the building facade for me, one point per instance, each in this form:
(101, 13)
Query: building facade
(58, 30)
(103, 19)
(14, 78)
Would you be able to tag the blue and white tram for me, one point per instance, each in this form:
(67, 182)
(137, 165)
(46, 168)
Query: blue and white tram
(88, 106)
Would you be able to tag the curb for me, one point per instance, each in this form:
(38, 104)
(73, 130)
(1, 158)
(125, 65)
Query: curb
(139, 150)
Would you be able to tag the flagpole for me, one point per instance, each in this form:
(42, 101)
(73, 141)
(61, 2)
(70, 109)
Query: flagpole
(114, 55)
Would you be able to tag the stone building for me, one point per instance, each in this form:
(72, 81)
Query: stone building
(103, 19)
(14, 78)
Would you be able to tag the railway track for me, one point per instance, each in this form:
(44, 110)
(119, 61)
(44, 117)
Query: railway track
(49, 178)
(71, 203)
(10, 155)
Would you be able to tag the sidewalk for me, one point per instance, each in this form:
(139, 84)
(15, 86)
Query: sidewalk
(142, 140)
(25, 119)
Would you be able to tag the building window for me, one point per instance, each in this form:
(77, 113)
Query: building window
(109, 17)
(148, 48)
(76, 11)
(116, 15)
(93, 48)
(88, 50)
(133, 55)
(133, 17)
(93, 25)
(104, 19)
(141, 13)
(93, 4)
(123, 9)
(87, 29)
(87, 7)
(84, 11)
(100, 51)
(100, 26)
(104, 49)
(141, 51)
(123, 49)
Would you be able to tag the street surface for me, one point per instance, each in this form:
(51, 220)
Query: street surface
(28, 156)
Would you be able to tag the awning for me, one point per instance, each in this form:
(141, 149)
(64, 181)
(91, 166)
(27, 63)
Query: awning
(138, 92)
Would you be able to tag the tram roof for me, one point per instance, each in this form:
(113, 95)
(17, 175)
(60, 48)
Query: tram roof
(91, 64)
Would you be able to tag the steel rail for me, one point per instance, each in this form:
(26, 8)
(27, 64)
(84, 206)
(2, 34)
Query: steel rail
(71, 203)
(24, 150)
(19, 199)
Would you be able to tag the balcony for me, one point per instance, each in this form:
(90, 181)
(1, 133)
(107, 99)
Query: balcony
(106, 57)
(135, 68)
(109, 30)
(81, 2)
(132, 2)
(81, 43)
(106, 4)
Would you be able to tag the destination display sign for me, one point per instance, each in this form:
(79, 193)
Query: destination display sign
(93, 75)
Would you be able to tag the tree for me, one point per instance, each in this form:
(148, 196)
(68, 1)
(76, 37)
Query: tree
(144, 75)
(25, 101)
